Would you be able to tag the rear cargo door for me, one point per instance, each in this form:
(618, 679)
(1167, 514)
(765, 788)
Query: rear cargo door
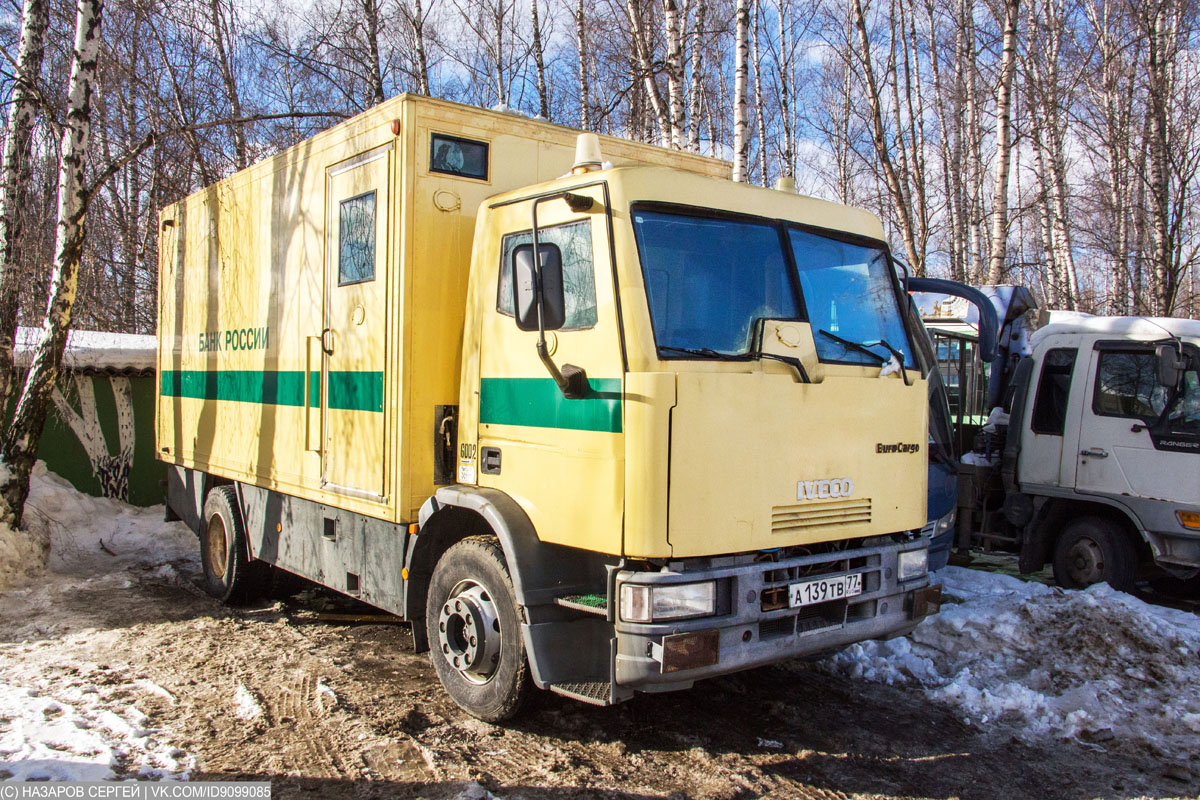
(354, 331)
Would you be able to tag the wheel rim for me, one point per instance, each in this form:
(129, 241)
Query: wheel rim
(217, 552)
(469, 631)
(1085, 562)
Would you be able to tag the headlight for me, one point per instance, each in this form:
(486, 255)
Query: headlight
(669, 601)
(945, 523)
(913, 564)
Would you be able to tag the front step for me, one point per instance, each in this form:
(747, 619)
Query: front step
(587, 603)
(596, 693)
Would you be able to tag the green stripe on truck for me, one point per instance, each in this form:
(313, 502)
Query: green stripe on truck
(537, 403)
(348, 391)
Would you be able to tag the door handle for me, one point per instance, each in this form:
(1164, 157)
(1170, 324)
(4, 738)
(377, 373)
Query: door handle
(1094, 452)
(327, 341)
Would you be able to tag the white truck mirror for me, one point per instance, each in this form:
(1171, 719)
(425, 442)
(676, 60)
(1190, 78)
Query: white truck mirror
(1170, 365)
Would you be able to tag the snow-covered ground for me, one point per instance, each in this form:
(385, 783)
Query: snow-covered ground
(83, 723)
(1096, 664)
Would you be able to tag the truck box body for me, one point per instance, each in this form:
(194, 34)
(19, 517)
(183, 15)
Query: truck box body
(245, 390)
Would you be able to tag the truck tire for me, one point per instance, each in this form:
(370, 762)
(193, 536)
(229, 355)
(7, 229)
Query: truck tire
(230, 575)
(1094, 549)
(474, 631)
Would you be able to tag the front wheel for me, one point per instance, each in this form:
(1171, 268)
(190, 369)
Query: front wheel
(474, 632)
(1091, 550)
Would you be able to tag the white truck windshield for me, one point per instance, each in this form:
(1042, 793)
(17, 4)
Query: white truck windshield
(709, 280)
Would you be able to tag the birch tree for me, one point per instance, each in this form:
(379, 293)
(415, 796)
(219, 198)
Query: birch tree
(539, 60)
(741, 142)
(1008, 62)
(416, 20)
(14, 176)
(674, 69)
(585, 88)
(894, 180)
(20, 444)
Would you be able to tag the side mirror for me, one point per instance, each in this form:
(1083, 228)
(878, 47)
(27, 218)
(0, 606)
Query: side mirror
(1170, 365)
(525, 299)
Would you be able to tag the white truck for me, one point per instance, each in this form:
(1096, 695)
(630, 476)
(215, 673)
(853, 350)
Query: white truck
(1092, 463)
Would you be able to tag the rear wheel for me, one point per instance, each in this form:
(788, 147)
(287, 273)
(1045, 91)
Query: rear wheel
(230, 575)
(474, 632)
(1094, 550)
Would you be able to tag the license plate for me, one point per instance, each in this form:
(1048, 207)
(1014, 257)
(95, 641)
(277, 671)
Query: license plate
(823, 590)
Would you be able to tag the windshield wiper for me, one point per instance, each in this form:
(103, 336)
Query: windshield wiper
(701, 352)
(896, 354)
(854, 346)
(864, 347)
(792, 361)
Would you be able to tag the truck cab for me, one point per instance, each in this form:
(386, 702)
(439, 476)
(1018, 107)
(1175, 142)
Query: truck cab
(1109, 442)
(723, 332)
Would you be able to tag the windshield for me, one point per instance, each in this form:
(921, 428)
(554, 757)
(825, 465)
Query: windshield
(849, 295)
(708, 281)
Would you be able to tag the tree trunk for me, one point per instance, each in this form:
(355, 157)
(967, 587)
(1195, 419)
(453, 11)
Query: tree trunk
(675, 91)
(14, 176)
(694, 98)
(539, 60)
(585, 88)
(241, 157)
(642, 51)
(787, 158)
(760, 119)
(416, 24)
(21, 440)
(879, 138)
(1008, 62)
(741, 143)
(374, 73)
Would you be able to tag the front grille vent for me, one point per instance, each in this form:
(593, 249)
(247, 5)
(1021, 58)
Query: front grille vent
(836, 513)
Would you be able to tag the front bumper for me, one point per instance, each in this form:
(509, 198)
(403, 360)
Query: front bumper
(747, 636)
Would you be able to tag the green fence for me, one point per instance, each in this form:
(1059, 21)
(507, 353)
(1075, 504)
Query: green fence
(100, 435)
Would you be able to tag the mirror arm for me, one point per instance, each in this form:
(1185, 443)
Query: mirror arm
(575, 385)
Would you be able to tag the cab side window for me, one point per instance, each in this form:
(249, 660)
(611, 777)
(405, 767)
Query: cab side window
(574, 240)
(1127, 386)
(1054, 389)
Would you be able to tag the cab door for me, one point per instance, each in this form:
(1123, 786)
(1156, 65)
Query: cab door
(561, 460)
(1129, 441)
(354, 333)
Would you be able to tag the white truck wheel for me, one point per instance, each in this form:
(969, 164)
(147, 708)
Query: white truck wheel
(1093, 550)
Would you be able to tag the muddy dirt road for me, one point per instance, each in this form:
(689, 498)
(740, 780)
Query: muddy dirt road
(348, 710)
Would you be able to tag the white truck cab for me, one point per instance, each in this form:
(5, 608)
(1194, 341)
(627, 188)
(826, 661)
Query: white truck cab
(1101, 462)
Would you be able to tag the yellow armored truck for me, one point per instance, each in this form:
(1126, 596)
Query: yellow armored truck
(593, 417)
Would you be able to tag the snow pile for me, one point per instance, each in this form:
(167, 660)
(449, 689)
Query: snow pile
(93, 536)
(82, 721)
(23, 554)
(1097, 663)
(84, 736)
